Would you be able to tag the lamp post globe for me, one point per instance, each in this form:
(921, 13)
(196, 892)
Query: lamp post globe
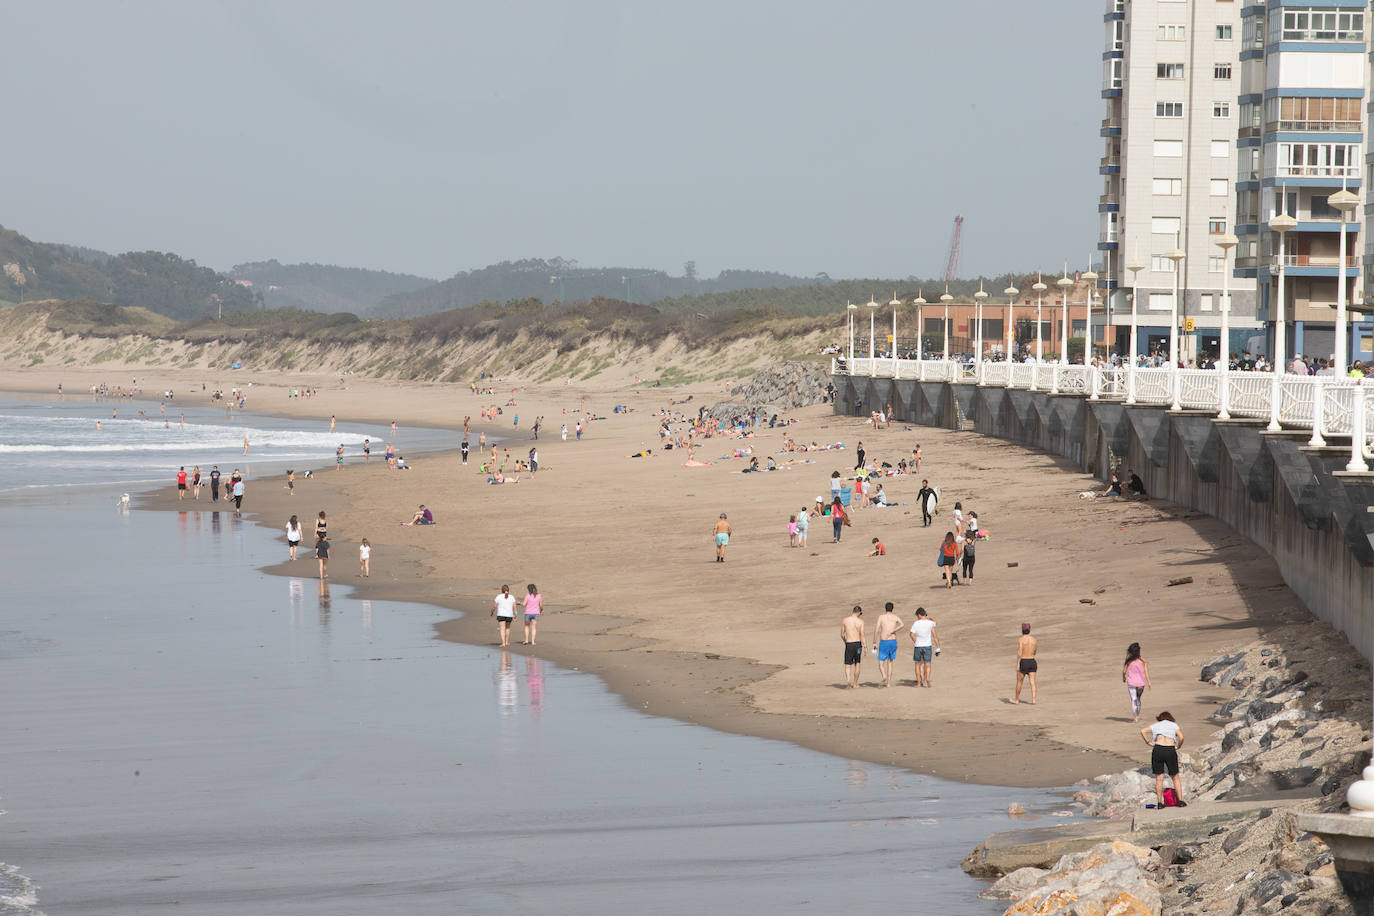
(1039, 288)
(1345, 202)
(1011, 292)
(1064, 284)
(979, 297)
(920, 303)
(946, 299)
(872, 311)
(895, 304)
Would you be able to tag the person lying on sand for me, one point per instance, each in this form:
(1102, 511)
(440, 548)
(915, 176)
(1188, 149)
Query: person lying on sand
(642, 453)
(502, 478)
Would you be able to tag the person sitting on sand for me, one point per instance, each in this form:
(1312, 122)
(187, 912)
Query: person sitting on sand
(878, 549)
(1113, 488)
(1136, 485)
(422, 517)
(752, 468)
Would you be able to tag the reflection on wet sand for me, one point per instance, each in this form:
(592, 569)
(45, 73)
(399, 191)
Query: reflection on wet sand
(534, 677)
(507, 688)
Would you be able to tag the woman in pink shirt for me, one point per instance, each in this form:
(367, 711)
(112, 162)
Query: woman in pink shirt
(1136, 674)
(534, 603)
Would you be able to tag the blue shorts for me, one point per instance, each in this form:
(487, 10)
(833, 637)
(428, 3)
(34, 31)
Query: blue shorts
(887, 650)
(920, 654)
(531, 618)
(722, 539)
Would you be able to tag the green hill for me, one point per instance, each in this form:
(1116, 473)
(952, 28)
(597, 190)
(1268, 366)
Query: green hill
(324, 287)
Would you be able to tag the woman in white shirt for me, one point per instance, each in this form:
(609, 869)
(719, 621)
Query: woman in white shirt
(1165, 737)
(293, 536)
(504, 610)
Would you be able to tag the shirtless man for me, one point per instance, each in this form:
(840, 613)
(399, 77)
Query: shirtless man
(924, 641)
(885, 642)
(852, 635)
(1026, 665)
(722, 535)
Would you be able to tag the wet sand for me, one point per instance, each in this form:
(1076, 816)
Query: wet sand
(621, 550)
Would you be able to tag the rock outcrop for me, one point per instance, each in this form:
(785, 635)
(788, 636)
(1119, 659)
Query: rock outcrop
(776, 389)
(1116, 878)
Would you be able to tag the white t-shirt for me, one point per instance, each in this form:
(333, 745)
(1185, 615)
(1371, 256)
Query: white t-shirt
(922, 629)
(293, 534)
(1165, 729)
(364, 551)
(505, 605)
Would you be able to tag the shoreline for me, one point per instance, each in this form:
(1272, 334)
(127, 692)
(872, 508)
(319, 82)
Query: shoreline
(684, 656)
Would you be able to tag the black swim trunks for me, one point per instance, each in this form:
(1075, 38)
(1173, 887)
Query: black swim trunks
(853, 653)
(1029, 666)
(1164, 758)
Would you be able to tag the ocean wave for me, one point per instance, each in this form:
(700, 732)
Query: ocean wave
(18, 895)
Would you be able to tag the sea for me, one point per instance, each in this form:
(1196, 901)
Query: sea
(180, 731)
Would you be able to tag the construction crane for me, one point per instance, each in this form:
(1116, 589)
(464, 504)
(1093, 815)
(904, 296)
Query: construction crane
(952, 265)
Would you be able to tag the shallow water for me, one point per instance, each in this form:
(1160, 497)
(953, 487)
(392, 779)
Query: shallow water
(182, 730)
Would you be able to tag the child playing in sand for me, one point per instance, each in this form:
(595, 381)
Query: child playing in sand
(792, 530)
(365, 559)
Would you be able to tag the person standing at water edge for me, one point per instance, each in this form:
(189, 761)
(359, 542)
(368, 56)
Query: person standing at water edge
(924, 639)
(1136, 675)
(852, 635)
(1026, 665)
(195, 482)
(238, 495)
(365, 559)
(533, 607)
(293, 537)
(367, 450)
(338, 458)
(885, 642)
(464, 450)
(503, 608)
(181, 483)
(322, 554)
(321, 526)
(722, 535)
(214, 484)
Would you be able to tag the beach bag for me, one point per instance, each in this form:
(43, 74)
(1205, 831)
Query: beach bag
(1170, 798)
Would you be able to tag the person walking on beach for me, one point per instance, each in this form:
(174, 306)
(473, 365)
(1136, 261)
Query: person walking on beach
(916, 456)
(365, 559)
(1165, 738)
(181, 483)
(321, 526)
(367, 450)
(722, 535)
(1026, 665)
(338, 458)
(293, 537)
(885, 631)
(924, 641)
(949, 556)
(214, 484)
(464, 451)
(322, 554)
(838, 519)
(836, 485)
(968, 557)
(290, 482)
(803, 525)
(195, 482)
(926, 498)
(852, 635)
(1135, 673)
(579, 429)
(503, 608)
(533, 607)
(534, 460)
(238, 495)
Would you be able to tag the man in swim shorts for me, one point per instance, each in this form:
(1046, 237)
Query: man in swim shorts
(1026, 665)
(722, 533)
(885, 642)
(852, 635)
(181, 483)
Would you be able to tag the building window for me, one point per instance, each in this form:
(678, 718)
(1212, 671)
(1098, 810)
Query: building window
(1314, 114)
(1256, 41)
(1169, 187)
(1169, 71)
(1161, 302)
(1168, 109)
(1221, 109)
(1172, 148)
(1221, 149)
(1220, 187)
(1112, 73)
(1318, 160)
(1204, 301)
(1172, 32)
(1224, 33)
(1164, 225)
(1161, 264)
(1321, 208)
(1215, 264)
(1299, 24)
(1216, 225)
(1221, 72)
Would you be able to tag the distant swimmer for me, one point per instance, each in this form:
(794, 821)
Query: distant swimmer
(331, 423)
(1026, 665)
(245, 445)
(99, 425)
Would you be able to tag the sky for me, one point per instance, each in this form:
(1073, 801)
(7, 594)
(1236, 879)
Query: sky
(435, 136)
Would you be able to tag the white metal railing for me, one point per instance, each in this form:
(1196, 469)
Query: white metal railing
(1327, 406)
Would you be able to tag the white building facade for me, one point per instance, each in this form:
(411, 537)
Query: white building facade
(1171, 71)
(1303, 107)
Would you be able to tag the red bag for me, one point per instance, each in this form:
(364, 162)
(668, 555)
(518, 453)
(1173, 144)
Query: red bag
(1170, 799)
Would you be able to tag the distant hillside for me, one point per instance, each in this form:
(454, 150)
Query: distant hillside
(325, 288)
(557, 278)
(158, 281)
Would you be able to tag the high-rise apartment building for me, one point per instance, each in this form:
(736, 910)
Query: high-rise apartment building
(1171, 69)
(1304, 69)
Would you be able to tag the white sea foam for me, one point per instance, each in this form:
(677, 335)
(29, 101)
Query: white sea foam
(18, 895)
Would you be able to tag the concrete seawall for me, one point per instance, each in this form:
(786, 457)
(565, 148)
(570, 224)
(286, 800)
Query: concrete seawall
(1269, 487)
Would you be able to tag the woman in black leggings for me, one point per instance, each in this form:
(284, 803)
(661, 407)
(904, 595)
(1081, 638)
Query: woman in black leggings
(968, 556)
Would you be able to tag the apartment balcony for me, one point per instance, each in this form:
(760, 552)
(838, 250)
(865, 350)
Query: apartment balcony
(1109, 164)
(1315, 127)
(1332, 261)
(1318, 171)
(1111, 127)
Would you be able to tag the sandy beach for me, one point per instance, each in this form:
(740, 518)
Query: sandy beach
(621, 549)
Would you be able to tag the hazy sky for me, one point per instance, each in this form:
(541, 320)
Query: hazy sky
(432, 136)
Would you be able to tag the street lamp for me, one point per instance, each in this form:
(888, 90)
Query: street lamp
(1064, 284)
(1225, 242)
(978, 297)
(1039, 288)
(851, 308)
(946, 299)
(1091, 277)
(1135, 267)
(872, 362)
(1011, 292)
(1281, 223)
(1345, 202)
(920, 304)
(1175, 255)
(896, 304)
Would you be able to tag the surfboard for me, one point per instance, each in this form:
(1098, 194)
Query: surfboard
(932, 501)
